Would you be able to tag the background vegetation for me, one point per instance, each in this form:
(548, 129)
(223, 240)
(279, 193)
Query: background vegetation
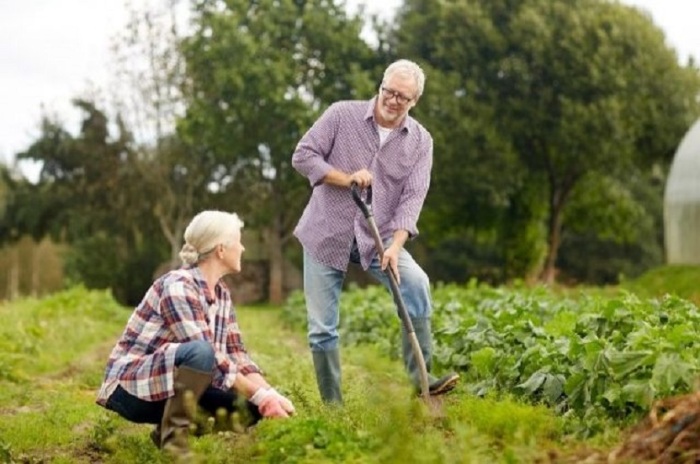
(555, 377)
(53, 358)
(554, 123)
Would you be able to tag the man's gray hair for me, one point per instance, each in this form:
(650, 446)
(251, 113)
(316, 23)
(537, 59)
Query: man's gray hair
(407, 68)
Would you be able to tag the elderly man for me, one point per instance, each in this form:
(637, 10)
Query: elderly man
(373, 143)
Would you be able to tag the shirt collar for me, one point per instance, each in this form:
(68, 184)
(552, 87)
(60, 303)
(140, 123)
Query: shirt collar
(202, 283)
(369, 115)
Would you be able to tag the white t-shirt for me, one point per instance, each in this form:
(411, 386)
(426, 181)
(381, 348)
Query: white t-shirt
(383, 134)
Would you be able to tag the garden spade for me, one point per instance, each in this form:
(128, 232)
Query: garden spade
(366, 207)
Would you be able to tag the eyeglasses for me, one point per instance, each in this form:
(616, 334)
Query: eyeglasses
(400, 98)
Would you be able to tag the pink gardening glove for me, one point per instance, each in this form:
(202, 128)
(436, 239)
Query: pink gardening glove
(268, 403)
(272, 407)
(284, 401)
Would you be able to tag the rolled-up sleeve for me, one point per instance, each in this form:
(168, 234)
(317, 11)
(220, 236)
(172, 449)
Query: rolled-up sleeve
(414, 191)
(311, 154)
(236, 349)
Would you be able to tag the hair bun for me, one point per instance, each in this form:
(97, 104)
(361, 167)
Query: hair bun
(189, 254)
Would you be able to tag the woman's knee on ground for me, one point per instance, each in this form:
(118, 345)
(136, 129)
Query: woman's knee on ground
(197, 355)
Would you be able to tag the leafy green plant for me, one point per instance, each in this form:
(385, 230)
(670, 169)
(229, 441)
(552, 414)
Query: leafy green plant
(5, 452)
(507, 336)
(596, 355)
(100, 434)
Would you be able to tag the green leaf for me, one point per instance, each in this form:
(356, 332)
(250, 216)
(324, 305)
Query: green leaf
(553, 387)
(623, 364)
(484, 360)
(612, 394)
(639, 392)
(669, 370)
(575, 387)
(533, 384)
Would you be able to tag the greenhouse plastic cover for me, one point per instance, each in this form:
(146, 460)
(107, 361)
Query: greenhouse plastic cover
(682, 202)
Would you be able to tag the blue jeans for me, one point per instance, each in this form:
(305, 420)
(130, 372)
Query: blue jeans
(197, 355)
(322, 286)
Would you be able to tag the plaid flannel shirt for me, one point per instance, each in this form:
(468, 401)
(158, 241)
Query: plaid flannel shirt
(178, 308)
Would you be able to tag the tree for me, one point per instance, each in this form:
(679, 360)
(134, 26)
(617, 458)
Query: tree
(618, 232)
(7, 185)
(85, 196)
(260, 73)
(151, 85)
(4, 190)
(83, 173)
(577, 88)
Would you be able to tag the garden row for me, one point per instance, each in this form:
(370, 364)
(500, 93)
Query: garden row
(596, 356)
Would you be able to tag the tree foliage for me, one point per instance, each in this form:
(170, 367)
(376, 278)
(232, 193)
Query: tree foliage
(554, 122)
(260, 74)
(573, 89)
(86, 196)
(151, 86)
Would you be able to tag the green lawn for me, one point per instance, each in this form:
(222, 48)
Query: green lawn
(679, 280)
(53, 351)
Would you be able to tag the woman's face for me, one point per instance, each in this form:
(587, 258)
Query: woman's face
(233, 252)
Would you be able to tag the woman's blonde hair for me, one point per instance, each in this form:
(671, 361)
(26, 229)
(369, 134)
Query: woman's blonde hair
(207, 230)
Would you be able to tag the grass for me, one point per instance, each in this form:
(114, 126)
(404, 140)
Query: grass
(678, 280)
(53, 353)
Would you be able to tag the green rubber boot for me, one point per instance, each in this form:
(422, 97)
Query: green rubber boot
(437, 386)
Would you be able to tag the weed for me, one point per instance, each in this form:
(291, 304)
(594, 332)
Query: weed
(55, 418)
(5, 453)
(100, 434)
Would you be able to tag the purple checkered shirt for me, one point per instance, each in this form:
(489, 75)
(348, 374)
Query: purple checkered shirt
(345, 138)
(178, 308)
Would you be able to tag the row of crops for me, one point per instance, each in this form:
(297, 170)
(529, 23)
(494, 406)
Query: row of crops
(594, 356)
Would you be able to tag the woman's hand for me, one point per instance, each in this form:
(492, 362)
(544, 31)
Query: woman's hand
(285, 402)
(269, 403)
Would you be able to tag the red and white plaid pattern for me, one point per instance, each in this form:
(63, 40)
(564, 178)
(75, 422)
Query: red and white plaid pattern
(178, 308)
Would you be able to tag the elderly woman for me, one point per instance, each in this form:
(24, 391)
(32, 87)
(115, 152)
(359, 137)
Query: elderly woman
(183, 339)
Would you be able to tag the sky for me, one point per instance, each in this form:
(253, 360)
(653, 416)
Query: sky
(52, 51)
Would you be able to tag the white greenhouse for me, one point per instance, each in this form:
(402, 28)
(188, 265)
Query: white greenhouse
(682, 202)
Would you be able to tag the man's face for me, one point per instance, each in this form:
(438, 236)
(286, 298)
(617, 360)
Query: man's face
(397, 95)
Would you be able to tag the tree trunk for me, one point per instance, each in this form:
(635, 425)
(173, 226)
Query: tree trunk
(556, 207)
(276, 261)
(176, 245)
(549, 271)
(13, 276)
(36, 282)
